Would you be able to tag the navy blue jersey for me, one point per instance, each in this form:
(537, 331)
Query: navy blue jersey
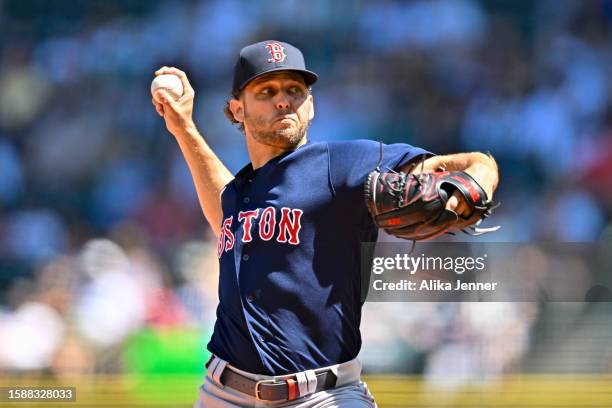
(290, 283)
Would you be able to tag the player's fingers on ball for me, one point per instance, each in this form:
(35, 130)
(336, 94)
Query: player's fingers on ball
(172, 71)
(162, 96)
(167, 100)
(187, 97)
(157, 97)
(162, 70)
(158, 107)
(187, 89)
(174, 105)
(155, 103)
(176, 71)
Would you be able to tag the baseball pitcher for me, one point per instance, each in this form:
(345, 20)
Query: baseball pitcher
(290, 226)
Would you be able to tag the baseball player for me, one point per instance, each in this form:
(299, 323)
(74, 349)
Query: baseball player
(289, 228)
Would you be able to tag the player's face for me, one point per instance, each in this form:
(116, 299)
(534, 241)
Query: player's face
(277, 109)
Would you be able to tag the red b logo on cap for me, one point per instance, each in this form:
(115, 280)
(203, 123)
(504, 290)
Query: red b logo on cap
(277, 52)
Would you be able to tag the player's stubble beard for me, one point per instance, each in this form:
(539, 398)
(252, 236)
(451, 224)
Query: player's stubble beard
(287, 138)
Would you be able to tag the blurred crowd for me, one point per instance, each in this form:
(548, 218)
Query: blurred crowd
(101, 234)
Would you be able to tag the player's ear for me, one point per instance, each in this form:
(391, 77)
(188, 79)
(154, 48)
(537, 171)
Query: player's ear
(311, 114)
(236, 106)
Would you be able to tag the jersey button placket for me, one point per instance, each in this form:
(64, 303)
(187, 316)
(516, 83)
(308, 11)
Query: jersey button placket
(249, 298)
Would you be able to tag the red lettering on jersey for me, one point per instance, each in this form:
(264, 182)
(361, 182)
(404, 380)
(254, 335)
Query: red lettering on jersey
(229, 235)
(289, 226)
(247, 217)
(220, 242)
(277, 52)
(267, 223)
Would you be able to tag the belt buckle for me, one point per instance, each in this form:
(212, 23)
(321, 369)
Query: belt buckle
(257, 391)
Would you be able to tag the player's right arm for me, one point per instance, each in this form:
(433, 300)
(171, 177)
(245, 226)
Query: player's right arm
(208, 172)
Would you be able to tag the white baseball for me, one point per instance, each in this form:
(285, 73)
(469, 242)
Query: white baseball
(168, 82)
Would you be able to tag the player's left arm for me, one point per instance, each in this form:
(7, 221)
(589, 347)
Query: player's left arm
(480, 166)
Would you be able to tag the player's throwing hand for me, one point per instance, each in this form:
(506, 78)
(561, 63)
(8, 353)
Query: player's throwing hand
(177, 113)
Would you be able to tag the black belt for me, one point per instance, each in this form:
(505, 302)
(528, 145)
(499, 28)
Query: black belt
(273, 390)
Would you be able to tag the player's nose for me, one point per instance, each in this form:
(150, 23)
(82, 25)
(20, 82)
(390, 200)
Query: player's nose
(282, 103)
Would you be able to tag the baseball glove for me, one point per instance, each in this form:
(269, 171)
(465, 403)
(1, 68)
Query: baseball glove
(412, 206)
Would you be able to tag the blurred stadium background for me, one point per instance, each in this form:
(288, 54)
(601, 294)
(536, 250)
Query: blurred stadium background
(107, 268)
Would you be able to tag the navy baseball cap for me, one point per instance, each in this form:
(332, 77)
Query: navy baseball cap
(264, 57)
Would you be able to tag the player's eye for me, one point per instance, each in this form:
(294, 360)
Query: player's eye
(295, 91)
(267, 92)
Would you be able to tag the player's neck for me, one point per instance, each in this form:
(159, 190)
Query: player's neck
(260, 153)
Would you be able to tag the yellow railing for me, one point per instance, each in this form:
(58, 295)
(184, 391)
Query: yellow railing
(537, 391)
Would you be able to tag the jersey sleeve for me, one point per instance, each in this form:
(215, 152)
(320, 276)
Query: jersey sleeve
(351, 161)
